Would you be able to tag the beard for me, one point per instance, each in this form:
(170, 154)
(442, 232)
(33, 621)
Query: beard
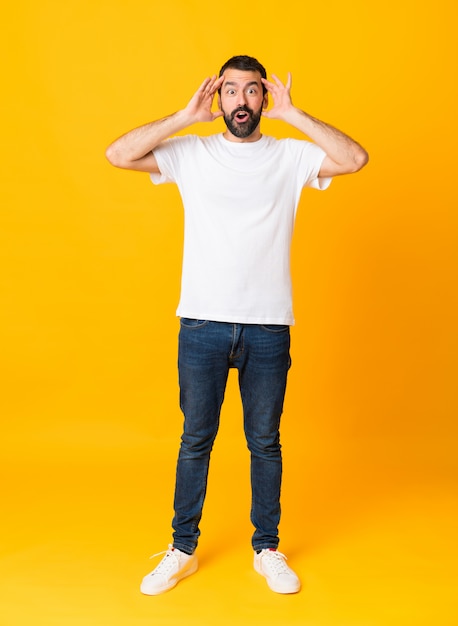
(242, 129)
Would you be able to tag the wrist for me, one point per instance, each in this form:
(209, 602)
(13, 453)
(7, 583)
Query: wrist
(184, 118)
(293, 114)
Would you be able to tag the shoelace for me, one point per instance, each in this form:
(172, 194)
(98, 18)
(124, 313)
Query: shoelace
(276, 561)
(167, 562)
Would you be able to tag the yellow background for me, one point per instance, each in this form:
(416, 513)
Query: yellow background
(89, 285)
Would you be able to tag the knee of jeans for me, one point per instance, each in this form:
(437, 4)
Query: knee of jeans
(195, 445)
(267, 447)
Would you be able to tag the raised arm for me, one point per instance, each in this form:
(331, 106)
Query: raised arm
(343, 154)
(134, 150)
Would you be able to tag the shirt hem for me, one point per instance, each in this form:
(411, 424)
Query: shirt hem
(237, 318)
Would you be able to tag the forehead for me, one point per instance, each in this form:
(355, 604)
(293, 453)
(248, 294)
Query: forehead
(241, 77)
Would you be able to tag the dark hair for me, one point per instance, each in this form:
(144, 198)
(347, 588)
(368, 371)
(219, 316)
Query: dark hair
(246, 64)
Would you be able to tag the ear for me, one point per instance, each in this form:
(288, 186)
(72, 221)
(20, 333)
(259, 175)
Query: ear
(265, 101)
(219, 102)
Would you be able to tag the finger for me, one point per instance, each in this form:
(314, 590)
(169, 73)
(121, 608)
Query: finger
(216, 84)
(204, 86)
(277, 80)
(269, 86)
(218, 80)
(206, 82)
(209, 86)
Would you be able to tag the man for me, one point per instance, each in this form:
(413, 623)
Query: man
(240, 190)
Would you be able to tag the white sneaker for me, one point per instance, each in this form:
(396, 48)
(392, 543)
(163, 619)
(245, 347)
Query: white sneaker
(174, 566)
(272, 565)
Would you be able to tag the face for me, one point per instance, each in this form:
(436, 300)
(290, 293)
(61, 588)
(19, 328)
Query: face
(242, 101)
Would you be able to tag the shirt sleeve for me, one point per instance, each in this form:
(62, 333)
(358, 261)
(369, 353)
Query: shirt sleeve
(169, 154)
(309, 161)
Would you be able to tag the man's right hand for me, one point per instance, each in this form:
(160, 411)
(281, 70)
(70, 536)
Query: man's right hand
(199, 107)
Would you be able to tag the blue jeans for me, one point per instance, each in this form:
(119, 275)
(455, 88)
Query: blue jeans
(261, 355)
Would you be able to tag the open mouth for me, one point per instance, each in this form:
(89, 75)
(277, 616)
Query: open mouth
(241, 116)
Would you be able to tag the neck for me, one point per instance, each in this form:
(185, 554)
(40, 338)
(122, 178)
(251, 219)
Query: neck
(255, 136)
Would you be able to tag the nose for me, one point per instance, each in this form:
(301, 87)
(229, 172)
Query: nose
(241, 99)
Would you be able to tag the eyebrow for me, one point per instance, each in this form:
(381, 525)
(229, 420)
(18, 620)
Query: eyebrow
(234, 84)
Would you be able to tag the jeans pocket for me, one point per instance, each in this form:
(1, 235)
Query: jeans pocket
(275, 328)
(189, 322)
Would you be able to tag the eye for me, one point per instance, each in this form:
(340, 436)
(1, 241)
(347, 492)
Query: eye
(252, 91)
(230, 92)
